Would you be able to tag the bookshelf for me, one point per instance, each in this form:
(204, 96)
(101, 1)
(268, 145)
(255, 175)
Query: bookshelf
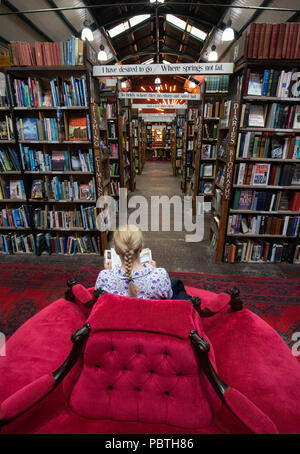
(180, 139)
(256, 213)
(189, 145)
(213, 91)
(55, 120)
(135, 130)
(173, 148)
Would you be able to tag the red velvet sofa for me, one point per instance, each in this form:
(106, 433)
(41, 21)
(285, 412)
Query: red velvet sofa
(118, 365)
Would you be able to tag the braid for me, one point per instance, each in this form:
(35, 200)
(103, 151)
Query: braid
(128, 259)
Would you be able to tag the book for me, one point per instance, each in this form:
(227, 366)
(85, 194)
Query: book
(256, 116)
(84, 192)
(245, 199)
(37, 189)
(260, 174)
(29, 128)
(255, 85)
(58, 161)
(78, 128)
(16, 190)
(112, 257)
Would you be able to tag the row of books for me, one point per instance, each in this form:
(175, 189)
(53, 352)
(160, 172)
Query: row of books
(115, 170)
(191, 130)
(4, 100)
(190, 145)
(260, 251)
(83, 218)
(264, 145)
(15, 217)
(206, 170)
(263, 225)
(274, 83)
(274, 41)
(33, 129)
(67, 245)
(205, 187)
(210, 132)
(12, 190)
(208, 151)
(15, 244)
(53, 93)
(274, 116)
(113, 149)
(245, 199)
(6, 128)
(55, 189)
(115, 187)
(192, 113)
(263, 174)
(111, 110)
(9, 160)
(111, 130)
(211, 110)
(57, 160)
(62, 53)
(218, 84)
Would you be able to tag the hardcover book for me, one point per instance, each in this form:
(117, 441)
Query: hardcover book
(260, 174)
(29, 128)
(78, 128)
(245, 200)
(58, 161)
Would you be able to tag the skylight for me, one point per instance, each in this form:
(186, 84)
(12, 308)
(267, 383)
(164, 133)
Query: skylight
(138, 19)
(118, 29)
(158, 1)
(176, 21)
(198, 33)
(148, 62)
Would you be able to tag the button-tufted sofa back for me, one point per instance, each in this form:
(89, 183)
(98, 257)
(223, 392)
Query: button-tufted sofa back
(139, 365)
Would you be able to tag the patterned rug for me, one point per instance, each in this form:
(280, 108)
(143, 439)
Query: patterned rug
(26, 289)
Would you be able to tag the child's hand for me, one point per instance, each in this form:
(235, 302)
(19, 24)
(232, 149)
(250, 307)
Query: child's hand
(152, 263)
(107, 264)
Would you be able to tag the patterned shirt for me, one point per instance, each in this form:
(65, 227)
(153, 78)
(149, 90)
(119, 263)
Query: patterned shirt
(153, 283)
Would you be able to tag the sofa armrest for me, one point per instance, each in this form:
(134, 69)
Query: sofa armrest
(254, 419)
(26, 398)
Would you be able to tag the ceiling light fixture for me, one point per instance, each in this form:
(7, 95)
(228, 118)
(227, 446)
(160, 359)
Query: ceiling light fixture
(228, 33)
(123, 85)
(87, 32)
(213, 56)
(157, 81)
(192, 85)
(102, 55)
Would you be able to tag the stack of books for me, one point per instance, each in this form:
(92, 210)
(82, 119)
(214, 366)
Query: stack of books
(15, 217)
(274, 83)
(274, 41)
(258, 251)
(16, 244)
(273, 116)
(62, 53)
(263, 225)
(55, 189)
(262, 145)
(85, 218)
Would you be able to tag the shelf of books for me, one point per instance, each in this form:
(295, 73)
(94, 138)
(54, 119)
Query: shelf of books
(173, 148)
(213, 92)
(180, 139)
(135, 130)
(189, 145)
(261, 220)
(143, 145)
(51, 176)
(128, 161)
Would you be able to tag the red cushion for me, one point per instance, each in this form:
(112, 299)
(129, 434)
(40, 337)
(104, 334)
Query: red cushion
(139, 365)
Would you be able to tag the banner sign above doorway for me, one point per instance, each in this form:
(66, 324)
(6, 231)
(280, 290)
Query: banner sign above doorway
(154, 95)
(161, 68)
(156, 118)
(159, 106)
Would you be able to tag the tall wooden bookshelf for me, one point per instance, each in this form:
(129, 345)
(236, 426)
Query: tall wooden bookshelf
(189, 144)
(212, 96)
(60, 204)
(180, 140)
(254, 218)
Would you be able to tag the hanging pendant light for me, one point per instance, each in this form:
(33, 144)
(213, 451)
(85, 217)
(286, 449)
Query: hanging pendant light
(228, 33)
(123, 85)
(87, 32)
(157, 81)
(192, 84)
(213, 56)
(102, 55)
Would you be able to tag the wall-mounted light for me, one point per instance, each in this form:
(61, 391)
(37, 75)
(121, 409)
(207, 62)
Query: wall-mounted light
(228, 33)
(87, 32)
(102, 55)
(213, 56)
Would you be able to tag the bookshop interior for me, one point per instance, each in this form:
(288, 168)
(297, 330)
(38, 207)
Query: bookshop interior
(193, 106)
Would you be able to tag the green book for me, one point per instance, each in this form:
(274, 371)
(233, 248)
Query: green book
(255, 145)
(236, 199)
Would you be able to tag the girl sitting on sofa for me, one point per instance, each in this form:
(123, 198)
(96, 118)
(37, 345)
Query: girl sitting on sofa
(133, 278)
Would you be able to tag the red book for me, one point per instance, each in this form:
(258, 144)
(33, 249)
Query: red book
(297, 53)
(294, 202)
(274, 40)
(286, 40)
(261, 41)
(290, 45)
(278, 53)
(251, 40)
(293, 49)
(258, 29)
(267, 41)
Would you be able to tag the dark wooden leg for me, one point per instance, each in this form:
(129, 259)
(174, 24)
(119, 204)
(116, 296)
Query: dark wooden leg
(235, 302)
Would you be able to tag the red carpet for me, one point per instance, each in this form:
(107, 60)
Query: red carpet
(26, 289)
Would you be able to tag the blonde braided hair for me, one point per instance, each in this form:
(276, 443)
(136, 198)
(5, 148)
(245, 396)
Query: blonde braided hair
(128, 241)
